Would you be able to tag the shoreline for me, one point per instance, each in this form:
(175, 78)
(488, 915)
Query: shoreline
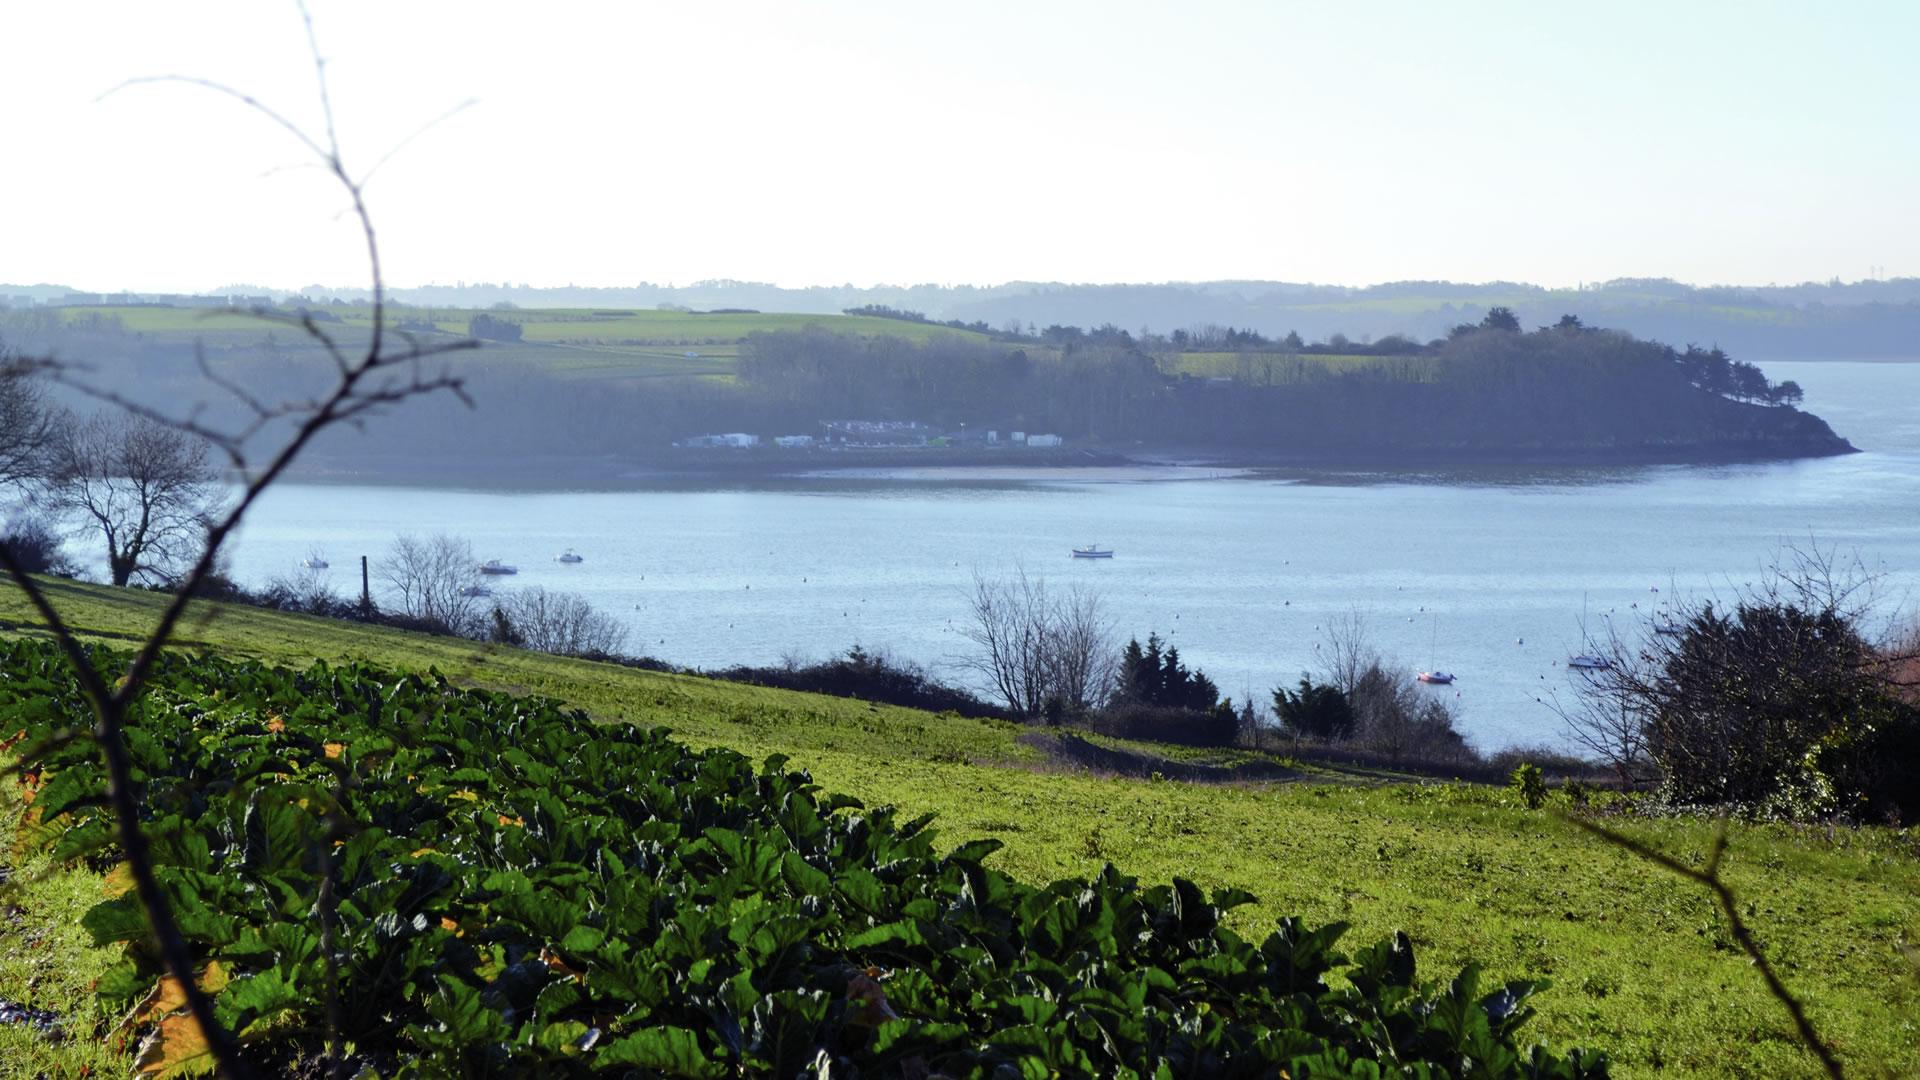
(703, 468)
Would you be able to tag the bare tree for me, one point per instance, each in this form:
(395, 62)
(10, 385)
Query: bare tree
(146, 487)
(434, 579)
(29, 424)
(306, 589)
(363, 382)
(1345, 652)
(561, 623)
(1081, 657)
(1033, 647)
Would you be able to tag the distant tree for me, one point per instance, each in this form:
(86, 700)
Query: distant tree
(1787, 393)
(1180, 338)
(34, 545)
(561, 623)
(487, 328)
(1292, 341)
(1033, 646)
(29, 426)
(433, 579)
(1569, 322)
(144, 486)
(1501, 318)
(1154, 676)
(1314, 711)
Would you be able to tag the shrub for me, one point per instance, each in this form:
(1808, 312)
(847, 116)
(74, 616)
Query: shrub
(1529, 785)
(1314, 711)
(36, 546)
(869, 676)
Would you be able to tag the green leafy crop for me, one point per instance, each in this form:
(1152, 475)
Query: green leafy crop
(518, 891)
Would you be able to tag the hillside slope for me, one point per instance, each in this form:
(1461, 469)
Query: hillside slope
(1641, 964)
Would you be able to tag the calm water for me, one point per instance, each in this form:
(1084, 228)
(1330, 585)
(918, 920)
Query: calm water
(1242, 574)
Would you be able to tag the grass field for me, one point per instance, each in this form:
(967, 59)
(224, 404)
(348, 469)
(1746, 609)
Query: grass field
(1641, 963)
(586, 344)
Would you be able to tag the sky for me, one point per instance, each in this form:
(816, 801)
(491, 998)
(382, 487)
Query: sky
(955, 143)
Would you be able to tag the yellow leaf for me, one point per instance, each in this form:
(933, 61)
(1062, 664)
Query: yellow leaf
(465, 793)
(276, 724)
(335, 749)
(176, 1048)
(168, 997)
(559, 966)
(118, 881)
(417, 852)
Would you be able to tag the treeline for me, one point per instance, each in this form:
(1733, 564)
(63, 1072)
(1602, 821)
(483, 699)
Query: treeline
(1487, 388)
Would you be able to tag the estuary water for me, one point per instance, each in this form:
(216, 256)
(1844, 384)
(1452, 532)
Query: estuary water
(1484, 572)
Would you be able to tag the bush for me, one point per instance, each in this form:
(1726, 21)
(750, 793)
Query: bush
(1529, 785)
(1159, 723)
(869, 676)
(36, 547)
(1777, 705)
(1315, 711)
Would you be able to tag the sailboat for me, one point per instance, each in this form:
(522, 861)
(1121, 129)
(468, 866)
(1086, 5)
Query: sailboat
(1587, 661)
(1435, 675)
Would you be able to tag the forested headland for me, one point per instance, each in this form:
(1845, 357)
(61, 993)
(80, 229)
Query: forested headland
(610, 392)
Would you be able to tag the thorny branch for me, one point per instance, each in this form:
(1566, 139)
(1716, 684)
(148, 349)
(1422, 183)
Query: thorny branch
(364, 384)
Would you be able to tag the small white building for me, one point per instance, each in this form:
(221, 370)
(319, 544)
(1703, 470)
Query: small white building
(993, 438)
(1019, 436)
(792, 441)
(1043, 440)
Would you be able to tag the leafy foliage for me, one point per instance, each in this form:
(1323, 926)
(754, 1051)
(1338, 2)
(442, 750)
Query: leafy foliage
(1315, 711)
(505, 903)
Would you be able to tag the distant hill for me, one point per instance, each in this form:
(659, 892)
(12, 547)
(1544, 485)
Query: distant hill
(1832, 320)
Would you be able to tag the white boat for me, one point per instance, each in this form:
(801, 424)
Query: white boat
(1092, 551)
(314, 562)
(495, 566)
(1589, 662)
(476, 590)
(1671, 629)
(568, 556)
(1435, 676)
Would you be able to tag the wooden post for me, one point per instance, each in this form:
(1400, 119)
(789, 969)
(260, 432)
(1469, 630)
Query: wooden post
(366, 594)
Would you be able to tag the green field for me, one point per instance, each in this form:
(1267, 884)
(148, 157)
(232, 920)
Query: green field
(1642, 965)
(590, 344)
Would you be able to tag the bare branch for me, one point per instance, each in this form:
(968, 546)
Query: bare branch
(1724, 895)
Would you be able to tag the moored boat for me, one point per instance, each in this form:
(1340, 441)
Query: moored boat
(495, 566)
(569, 556)
(1092, 551)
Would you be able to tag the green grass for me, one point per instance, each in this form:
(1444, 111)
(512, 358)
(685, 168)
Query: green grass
(581, 344)
(1641, 963)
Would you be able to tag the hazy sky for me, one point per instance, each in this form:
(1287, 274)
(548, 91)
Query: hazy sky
(969, 142)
